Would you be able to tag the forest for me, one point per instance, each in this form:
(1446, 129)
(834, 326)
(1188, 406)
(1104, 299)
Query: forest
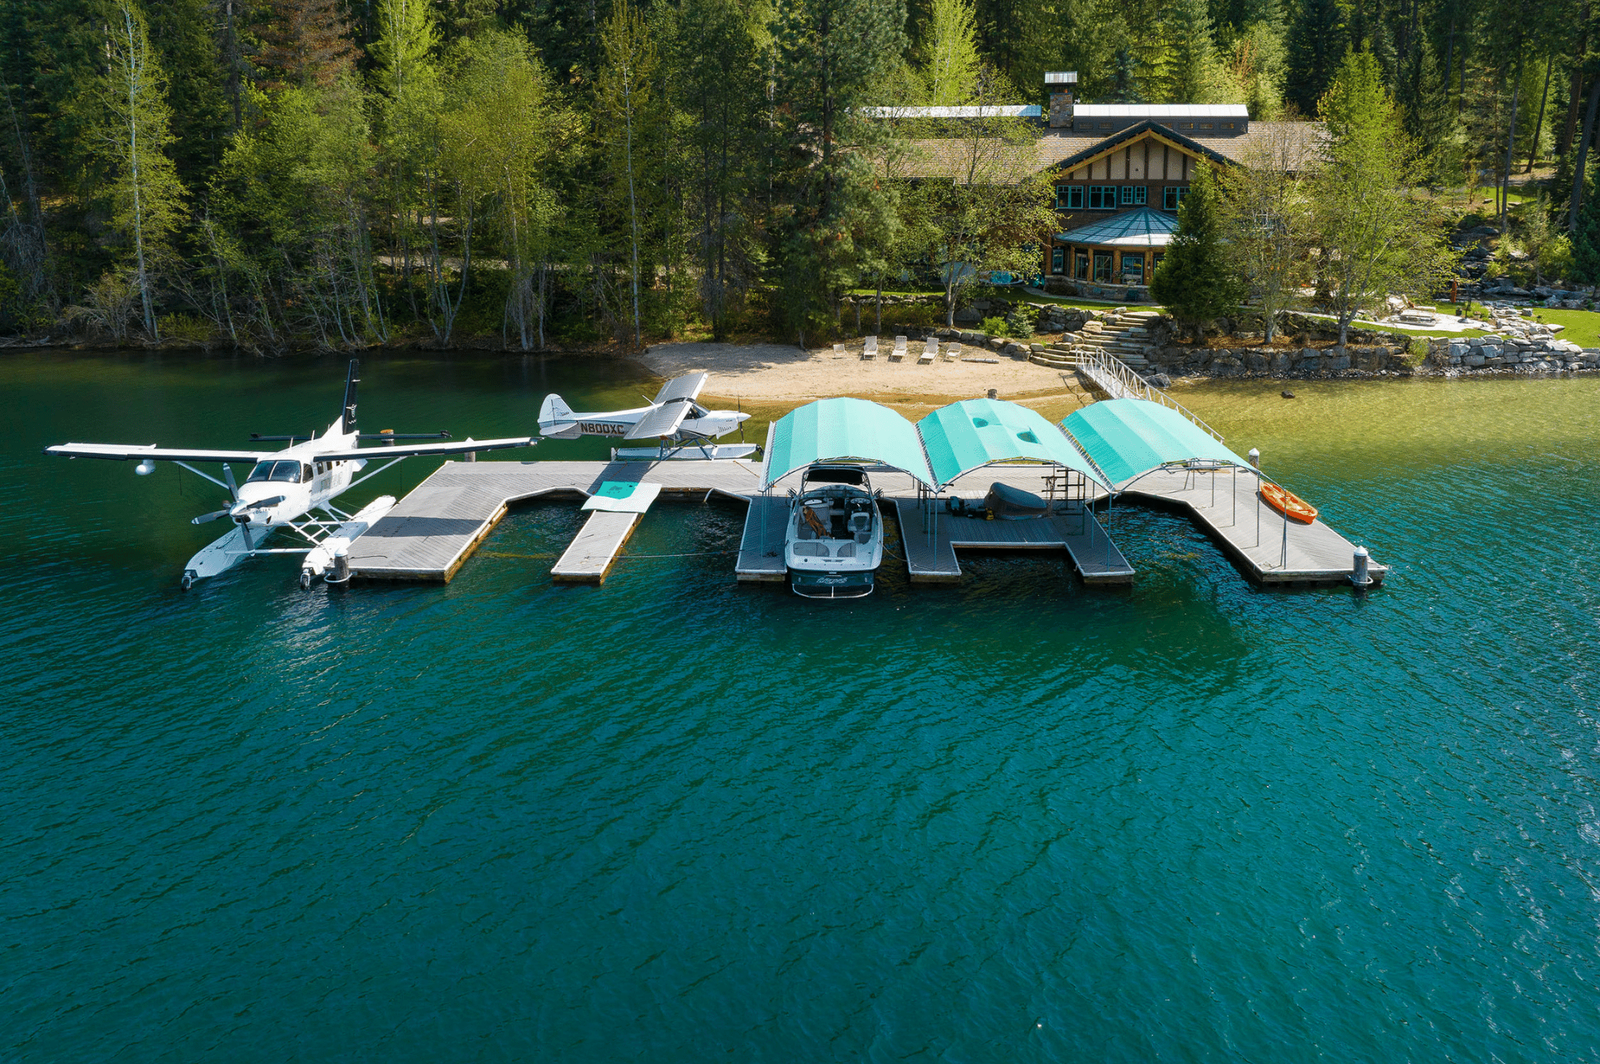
(277, 174)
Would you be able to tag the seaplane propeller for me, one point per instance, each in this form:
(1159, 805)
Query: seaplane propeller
(212, 516)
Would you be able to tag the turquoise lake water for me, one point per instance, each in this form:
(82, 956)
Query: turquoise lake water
(675, 819)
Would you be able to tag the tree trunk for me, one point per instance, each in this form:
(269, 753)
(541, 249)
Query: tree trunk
(633, 202)
(1582, 161)
(1511, 143)
(1538, 127)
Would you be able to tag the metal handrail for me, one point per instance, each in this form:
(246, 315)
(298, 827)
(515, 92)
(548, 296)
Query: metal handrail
(1136, 387)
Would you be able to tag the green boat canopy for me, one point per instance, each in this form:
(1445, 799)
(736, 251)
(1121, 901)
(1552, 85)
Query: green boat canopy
(1129, 437)
(840, 429)
(964, 436)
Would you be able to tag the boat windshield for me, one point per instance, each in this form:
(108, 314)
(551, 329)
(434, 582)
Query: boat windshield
(283, 472)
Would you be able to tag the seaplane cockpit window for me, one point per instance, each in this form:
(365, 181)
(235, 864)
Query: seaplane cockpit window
(283, 472)
(305, 473)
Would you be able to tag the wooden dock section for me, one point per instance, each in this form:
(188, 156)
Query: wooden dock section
(1267, 546)
(589, 558)
(761, 547)
(437, 526)
(931, 541)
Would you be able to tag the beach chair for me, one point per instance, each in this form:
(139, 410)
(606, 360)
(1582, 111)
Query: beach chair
(899, 351)
(930, 351)
(952, 353)
(838, 350)
(869, 347)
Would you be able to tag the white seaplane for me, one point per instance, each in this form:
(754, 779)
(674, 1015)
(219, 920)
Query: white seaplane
(292, 489)
(673, 418)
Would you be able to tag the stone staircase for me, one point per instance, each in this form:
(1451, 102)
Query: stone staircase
(1124, 334)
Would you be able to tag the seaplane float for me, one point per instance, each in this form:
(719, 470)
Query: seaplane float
(291, 490)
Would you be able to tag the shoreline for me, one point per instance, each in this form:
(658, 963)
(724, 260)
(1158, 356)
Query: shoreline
(770, 374)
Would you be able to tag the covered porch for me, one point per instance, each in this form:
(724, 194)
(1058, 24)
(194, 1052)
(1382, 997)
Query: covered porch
(1121, 250)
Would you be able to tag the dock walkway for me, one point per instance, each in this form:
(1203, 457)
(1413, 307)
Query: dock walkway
(1268, 546)
(931, 540)
(435, 529)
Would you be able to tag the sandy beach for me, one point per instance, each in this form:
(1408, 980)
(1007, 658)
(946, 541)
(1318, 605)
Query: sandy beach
(780, 375)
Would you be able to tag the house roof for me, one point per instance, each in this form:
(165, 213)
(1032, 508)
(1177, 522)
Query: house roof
(1143, 228)
(1098, 146)
(1031, 110)
(1298, 143)
(1161, 110)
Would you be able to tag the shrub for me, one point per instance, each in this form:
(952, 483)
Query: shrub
(994, 327)
(185, 327)
(1019, 323)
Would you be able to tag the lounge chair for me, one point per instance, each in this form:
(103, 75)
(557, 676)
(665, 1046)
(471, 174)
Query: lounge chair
(869, 347)
(899, 351)
(838, 350)
(952, 353)
(930, 351)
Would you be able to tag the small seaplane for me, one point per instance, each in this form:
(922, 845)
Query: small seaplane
(673, 418)
(291, 489)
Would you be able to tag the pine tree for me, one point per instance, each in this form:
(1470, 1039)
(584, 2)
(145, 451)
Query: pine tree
(1194, 74)
(306, 42)
(132, 142)
(630, 123)
(1316, 45)
(1196, 280)
(832, 60)
(721, 92)
(1586, 242)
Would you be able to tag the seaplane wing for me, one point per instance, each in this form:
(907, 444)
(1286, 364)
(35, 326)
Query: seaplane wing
(397, 451)
(121, 453)
(672, 404)
(660, 421)
(686, 387)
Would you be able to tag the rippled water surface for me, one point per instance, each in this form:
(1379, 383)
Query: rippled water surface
(675, 819)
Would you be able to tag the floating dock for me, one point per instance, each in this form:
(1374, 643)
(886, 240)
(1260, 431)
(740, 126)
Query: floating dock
(931, 539)
(434, 530)
(1269, 547)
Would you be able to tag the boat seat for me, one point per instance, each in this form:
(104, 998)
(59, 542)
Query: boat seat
(809, 522)
(861, 526)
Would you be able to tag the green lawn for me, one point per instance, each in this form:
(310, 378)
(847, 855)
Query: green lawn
(1582, 326)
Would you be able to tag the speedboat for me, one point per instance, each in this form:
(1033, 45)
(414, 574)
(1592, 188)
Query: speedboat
(833, 543)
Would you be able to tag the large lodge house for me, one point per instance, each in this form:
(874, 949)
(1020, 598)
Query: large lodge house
(1120, 171)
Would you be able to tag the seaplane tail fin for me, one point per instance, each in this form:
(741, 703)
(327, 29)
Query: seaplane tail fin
(557, 419)
(351, 380)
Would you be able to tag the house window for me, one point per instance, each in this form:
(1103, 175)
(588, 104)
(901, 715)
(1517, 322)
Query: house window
(1102, 197)
(1069, 197)
(1132, 267)
(1156, 262)
(1171, 196)
(1133, 195)
(1205, 125)
(1105, 125)
(1058, 260)
(1187, 125)
(1080, 265)
(1102, 266)
(1227, 125)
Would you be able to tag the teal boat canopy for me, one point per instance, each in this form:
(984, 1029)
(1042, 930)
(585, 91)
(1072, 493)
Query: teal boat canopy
(844, 429)
(1129, 437)
(964, 436)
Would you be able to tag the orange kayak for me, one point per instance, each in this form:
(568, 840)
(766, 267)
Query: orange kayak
(1287, 502)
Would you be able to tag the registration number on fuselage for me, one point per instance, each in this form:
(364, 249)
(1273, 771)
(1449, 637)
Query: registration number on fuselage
(603, 428)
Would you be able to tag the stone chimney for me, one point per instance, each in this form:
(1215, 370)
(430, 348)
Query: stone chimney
(1059, 84)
